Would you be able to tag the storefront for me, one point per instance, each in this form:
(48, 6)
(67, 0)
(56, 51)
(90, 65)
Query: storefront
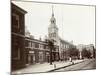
(30, 57)
(47, 55)
(41, 57)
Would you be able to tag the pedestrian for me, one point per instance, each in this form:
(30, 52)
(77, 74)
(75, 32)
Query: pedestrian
(54, 66)
(70, 59)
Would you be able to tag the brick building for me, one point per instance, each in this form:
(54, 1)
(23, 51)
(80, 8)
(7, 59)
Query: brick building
(17, 37)
(37, 51)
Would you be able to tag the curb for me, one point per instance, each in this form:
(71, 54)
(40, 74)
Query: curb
(65, 66)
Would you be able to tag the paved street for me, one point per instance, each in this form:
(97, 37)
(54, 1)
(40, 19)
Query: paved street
(86, 65)
(45, 67)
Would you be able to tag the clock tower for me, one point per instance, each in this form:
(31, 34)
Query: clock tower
(53, 29)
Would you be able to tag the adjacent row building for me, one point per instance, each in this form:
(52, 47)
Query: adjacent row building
(38, 51)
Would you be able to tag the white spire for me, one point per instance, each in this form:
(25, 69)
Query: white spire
(52, 11)
(53, 20)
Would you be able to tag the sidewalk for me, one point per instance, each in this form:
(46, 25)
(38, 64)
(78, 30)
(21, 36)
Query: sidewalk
(45, 67)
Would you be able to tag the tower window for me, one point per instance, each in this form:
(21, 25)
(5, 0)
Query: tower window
(53, 21)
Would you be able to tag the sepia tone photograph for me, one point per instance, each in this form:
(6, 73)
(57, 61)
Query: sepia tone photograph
(52, 37)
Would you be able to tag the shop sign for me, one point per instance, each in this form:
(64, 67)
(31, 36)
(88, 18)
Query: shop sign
(31, 51)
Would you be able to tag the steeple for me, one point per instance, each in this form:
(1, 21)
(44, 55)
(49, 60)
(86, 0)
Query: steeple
(53, 20)
(52, 11)
(52, 29)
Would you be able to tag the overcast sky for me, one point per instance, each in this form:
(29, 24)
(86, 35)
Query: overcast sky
(75, 22)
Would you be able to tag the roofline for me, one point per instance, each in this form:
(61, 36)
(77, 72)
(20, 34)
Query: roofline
(34, 39)
(18, 8)
(66, 41)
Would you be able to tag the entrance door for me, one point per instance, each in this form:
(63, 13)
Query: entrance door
(48, 59)
(31, 59)
(40, 57)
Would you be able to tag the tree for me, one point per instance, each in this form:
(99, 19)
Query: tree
(94, 52)
(73, 52)
(51, 47)
(86, 53)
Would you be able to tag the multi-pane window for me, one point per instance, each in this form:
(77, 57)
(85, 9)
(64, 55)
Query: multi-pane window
(40, 46)
(66, 46)
(15, 48)
(44, 46)
(29, 43)
(26, 43)
(36, 45)
(15, 22)
(40, 56)
(32, 45)
(16, 54)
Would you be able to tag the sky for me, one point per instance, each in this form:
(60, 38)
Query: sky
(75, 22)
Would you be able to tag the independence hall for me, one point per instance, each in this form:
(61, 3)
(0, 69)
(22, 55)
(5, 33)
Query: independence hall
(25, 50)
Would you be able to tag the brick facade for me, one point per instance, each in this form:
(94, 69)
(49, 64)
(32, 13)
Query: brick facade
(17, 37)
(39, 51)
